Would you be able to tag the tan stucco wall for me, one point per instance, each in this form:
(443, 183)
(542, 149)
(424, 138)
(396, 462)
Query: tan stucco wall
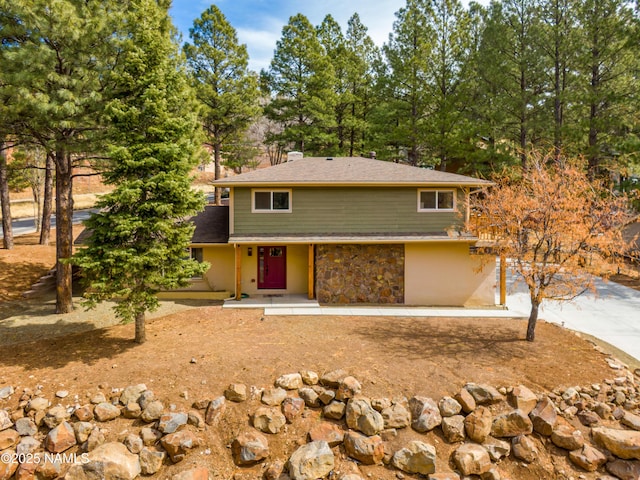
(445, 274)
(193, 295)
(297, 268)
(220, 275)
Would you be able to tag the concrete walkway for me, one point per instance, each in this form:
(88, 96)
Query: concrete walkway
(611, 314)
(301, 305)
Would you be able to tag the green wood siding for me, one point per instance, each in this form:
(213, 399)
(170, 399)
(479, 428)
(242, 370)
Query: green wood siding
(345, 210)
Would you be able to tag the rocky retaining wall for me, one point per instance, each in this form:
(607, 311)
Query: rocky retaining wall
(479, 432)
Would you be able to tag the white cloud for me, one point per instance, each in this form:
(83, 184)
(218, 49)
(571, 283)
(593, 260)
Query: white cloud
(259, 23)
(261, 34)
(260, 45)
(377, 15)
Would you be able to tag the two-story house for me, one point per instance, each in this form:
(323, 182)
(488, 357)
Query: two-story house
(346, 230)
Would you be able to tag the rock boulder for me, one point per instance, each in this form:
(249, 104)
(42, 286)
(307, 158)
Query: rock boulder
(311, 461)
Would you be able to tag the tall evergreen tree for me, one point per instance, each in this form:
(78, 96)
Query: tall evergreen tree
(58, 60)
(484, 116)
(511, 63)
(226, 89)
(560, 46)
(401, 116)
(138, 239)
(607, 66)
(334, 43)
(451, 47)
(7, 124)
(301, 83)
(362, 54)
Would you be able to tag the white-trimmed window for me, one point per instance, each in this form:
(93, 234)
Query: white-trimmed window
(270, 201)
(432, 200)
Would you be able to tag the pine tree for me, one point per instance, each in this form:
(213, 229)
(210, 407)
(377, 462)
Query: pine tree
(333, 40)
(607, 67)
(511, 67)
(226, 89)
(362, 54)
(7, 127)
(446, 119)
(401, 115)
(560, 46)
(481, 132)
(138, 239)
(301, 83)
(57, 56)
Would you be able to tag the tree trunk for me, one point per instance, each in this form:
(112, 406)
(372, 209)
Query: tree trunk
(64, 232)
(352, 130)
(594, 112)
(141, 335)
(37, 206)
(7, 230)
(558, 84)
(594, 158)
(47, 204)
(216, 173)
(523, 123)
(533, 318)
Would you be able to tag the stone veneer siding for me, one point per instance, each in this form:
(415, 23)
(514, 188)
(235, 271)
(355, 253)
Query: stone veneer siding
(347, 274)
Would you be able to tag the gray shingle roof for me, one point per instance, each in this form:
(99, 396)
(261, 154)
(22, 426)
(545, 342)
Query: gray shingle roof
(347, 171)
(212, 225)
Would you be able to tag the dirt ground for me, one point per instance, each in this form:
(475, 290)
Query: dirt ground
(194, 351)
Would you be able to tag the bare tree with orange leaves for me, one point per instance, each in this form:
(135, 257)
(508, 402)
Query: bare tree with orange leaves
(552, 223)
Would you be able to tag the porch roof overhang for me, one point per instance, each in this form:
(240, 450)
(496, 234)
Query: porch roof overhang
(375, 238)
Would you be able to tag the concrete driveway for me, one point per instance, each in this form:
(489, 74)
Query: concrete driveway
(611, 314)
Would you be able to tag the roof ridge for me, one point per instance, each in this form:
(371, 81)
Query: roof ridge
(348, 171)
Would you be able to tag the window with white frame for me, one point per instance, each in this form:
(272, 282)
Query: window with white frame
(432, 200)
(264, 201)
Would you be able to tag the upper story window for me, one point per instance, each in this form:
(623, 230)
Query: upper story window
(436, 200)
(264, 201)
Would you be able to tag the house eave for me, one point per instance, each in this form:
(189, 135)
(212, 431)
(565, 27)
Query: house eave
(210, 244)
(348, 239)
(271, 184)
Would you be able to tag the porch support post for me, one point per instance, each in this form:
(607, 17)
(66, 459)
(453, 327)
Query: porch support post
(238, 272)
(467, 213)
(311, 269)
(503, 280)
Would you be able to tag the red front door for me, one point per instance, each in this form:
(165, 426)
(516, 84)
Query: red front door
(272, 267)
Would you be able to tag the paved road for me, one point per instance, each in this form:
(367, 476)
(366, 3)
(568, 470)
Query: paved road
(28, 225)
(611, 314)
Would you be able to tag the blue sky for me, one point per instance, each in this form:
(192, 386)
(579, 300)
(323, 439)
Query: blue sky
(259, 22)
